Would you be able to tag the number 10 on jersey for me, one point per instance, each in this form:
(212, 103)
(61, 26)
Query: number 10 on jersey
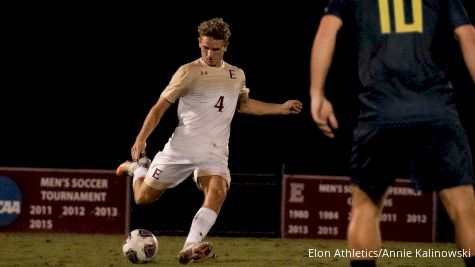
(401, 24)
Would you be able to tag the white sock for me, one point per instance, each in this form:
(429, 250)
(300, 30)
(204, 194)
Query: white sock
(202, 223)
(139, 172)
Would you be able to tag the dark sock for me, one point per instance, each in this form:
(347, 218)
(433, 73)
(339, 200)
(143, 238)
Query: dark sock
(363, 263)
(470, 262)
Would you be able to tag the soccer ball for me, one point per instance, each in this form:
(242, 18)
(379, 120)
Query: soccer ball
(141, 246)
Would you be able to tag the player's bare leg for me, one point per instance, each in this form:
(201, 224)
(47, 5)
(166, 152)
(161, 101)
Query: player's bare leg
(459, 203)
(143, 193)
(364, 230)
(215, 191)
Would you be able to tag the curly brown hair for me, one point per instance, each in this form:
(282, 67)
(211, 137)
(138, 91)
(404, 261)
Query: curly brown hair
(216, 28)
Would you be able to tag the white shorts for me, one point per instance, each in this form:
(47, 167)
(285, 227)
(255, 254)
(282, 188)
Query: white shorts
(167, 171)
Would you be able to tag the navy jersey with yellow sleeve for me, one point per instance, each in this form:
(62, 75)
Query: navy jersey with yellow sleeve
(401, 51)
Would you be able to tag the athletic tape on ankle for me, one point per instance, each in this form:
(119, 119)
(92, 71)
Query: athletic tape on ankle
(139, 172)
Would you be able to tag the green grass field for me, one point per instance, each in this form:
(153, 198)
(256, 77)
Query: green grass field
(21, 249)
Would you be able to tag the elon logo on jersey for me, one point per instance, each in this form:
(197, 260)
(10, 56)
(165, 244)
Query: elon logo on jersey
(232, 75)
(156, 173)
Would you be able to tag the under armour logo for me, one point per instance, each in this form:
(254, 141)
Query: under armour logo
(203, 72)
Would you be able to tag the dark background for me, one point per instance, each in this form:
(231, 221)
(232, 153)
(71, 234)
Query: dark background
(79, 78)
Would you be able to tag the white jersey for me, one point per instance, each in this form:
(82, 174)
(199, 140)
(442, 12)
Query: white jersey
(208, 97)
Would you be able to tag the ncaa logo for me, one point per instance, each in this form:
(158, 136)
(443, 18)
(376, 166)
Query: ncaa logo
(10, 201)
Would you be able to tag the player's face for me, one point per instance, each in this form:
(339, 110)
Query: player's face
(212, 50)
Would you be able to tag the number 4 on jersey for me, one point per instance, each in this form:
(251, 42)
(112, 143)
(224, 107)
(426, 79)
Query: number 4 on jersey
(220, 104)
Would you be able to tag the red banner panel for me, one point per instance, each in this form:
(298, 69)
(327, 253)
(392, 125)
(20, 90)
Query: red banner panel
(59, 200)
(319, 207)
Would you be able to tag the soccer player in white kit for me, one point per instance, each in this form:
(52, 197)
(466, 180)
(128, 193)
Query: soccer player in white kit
(209, 91)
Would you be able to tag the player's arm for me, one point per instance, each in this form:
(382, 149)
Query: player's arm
(465, 34)
(150, 123)
(320, 61)
(256, 107)
(174, 90)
